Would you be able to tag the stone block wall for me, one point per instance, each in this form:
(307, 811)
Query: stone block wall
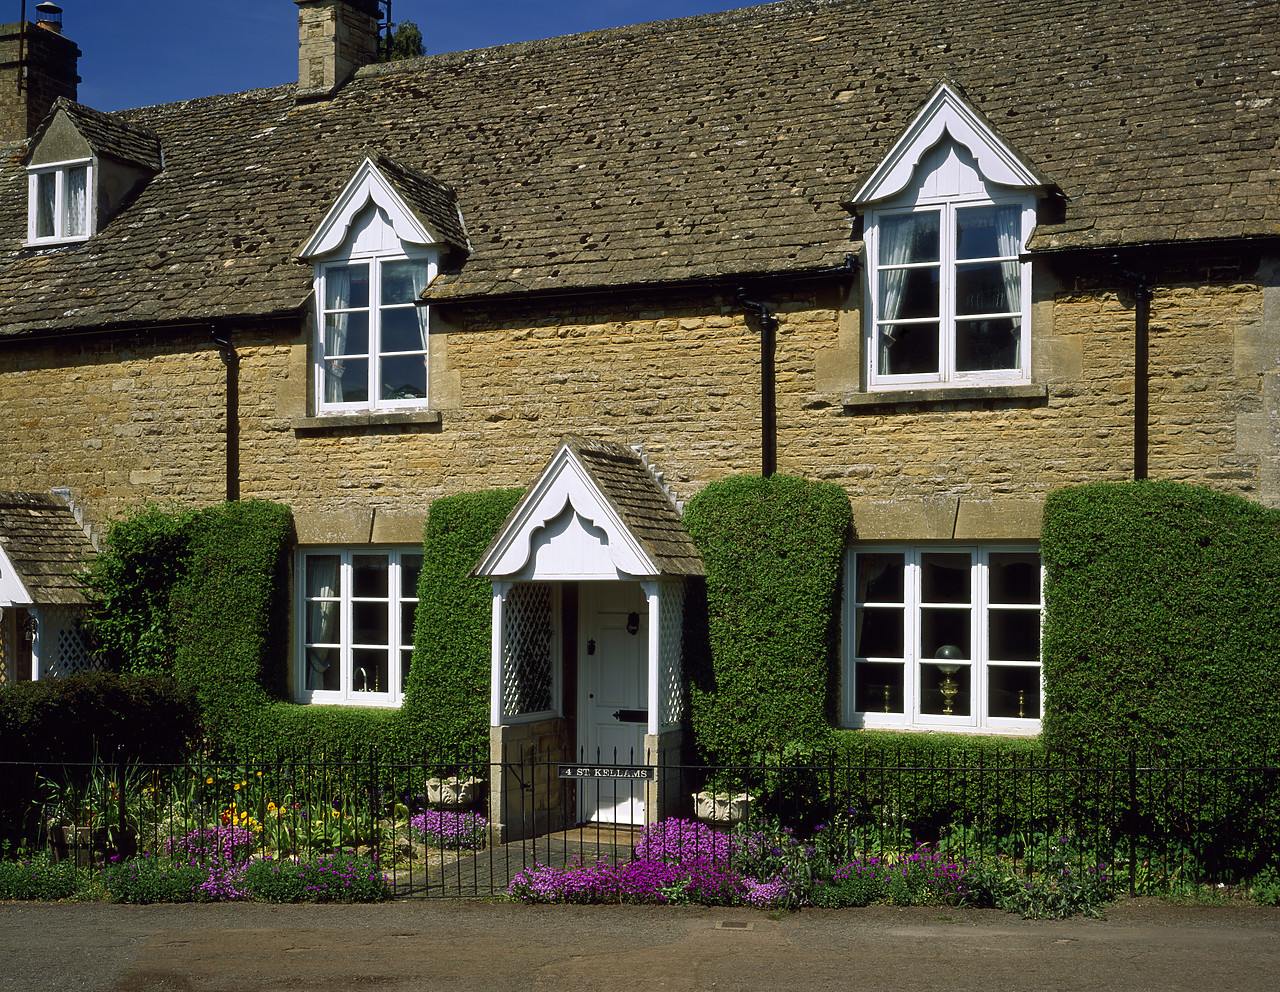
(143, 417)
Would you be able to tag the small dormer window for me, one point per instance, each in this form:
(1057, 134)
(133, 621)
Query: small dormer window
(59, 198)
(948, 213)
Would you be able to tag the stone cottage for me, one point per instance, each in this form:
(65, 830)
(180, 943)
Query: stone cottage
(950, 256)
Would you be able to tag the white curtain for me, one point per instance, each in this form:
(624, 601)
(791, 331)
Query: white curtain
(897, 240)
(74, 214)
(337, 282)
(46, 197)
(1009, 244)
(322, 622)
(419, 270)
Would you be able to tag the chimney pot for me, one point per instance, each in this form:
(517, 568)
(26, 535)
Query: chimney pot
(49, 17)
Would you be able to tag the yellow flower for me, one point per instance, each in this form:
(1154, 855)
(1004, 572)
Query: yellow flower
(236, 788)
(336, 814)
(259, 774)
(209, 781)
(271, 806)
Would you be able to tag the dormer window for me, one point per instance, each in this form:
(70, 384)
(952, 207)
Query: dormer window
(375, 340)
(947, 215)
(950, 293)
(375, 252)
(59, 198)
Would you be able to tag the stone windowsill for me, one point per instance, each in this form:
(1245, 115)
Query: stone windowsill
(945, 394)
(363, 421)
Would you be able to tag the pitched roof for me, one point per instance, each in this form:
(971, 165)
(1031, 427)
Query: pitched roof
(435, 203)
(708, 147)
(108, 135)
(644, 506)
(633, 497)
(45, 545)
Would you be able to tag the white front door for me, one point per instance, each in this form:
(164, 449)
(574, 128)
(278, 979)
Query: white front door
(613, 652)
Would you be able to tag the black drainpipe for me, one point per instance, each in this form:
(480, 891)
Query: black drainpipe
(768, 390)
(1140, 284)
(222, 338)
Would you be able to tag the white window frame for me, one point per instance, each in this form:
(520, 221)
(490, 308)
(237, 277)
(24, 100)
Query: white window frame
(375, 260)
(399, 631)
(59, 170)
(947, 374)
(979, 719)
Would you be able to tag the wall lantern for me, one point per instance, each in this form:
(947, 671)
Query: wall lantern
(29, 628)
(633, 623)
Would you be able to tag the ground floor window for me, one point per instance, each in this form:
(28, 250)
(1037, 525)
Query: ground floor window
(356, 608)
(943, 636)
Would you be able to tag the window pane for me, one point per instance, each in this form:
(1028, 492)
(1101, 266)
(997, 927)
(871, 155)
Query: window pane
(346, 334)
(945, 633)
(323, 669)
(404, 377)
(1014, 635)
(322, 575)
(406, 623)
(1014, 692)
(944, 577)
(74, 202)
(398, 281)
(989, 232)
(400, 331)
(410, 570)
(907, 238)
(909, 294)
(369, 576)
(908, 349)
(369, 671)
(406, 662)
(984, 345)
(878, 687)
(347, 380)
(46, 191)
(346, 287)
(879, 632)
(880, 577)
(370, 622)
(980, 288)
(945, 693)
(1014, 577)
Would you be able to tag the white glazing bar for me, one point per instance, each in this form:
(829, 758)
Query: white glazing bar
(652, 591)
(495, 655)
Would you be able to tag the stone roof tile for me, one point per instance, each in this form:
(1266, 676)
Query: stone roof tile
(46, 547)
(650, 153)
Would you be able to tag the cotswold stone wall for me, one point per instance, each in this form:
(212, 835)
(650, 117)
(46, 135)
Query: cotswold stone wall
(144, 418)
(119, 422)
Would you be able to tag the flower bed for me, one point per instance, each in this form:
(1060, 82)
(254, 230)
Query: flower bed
(766, 865)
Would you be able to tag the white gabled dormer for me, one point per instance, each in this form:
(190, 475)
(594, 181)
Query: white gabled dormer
(947, 214)
(377, 248)
(81, 167)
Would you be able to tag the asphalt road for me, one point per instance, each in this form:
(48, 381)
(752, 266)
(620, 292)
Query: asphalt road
(462, 945)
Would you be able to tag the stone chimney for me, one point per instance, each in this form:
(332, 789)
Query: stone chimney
(335, 38)
(37, 65)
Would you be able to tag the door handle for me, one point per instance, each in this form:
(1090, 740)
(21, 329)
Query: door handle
(631, 716)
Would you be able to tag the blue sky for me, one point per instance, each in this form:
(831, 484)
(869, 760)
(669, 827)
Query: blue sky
(140, 53)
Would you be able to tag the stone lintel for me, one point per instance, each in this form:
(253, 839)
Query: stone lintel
(350, 526)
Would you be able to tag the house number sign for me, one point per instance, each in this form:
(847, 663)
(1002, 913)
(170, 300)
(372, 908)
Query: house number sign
(645, 772)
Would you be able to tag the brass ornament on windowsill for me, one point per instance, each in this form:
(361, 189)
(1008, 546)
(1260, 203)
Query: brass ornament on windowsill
(948, 686)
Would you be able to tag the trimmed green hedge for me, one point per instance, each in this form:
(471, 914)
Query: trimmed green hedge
(447, 697)
(100, 714)
(1162, 623)
(232, 611)
(768, 673)
(142, 559)
(59, 722)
